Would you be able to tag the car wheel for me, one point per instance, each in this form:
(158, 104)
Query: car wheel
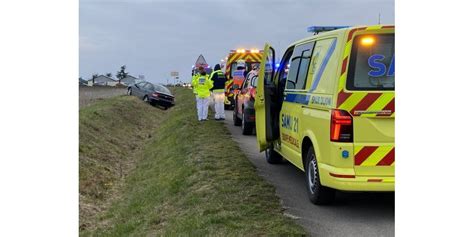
(129, 91)
(145, 99)
(237, 120)
(317, 193)
(247, 127)
(272, 157)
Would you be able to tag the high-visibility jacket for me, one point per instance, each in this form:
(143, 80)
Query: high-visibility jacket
(202, 85)
(195, 76)
(218, 79)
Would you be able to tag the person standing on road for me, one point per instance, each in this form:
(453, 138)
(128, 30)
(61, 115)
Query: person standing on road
(202, 85)
(218, 79)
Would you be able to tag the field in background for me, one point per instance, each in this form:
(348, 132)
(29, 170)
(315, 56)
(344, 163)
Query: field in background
(188, 178)
(90, 94)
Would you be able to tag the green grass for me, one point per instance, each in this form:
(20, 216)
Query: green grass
(192, 179)
(111, 134)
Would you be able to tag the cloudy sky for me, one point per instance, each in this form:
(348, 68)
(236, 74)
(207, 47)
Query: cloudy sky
(154, 37)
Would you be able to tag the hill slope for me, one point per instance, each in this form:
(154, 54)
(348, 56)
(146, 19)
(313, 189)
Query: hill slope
(190, 178)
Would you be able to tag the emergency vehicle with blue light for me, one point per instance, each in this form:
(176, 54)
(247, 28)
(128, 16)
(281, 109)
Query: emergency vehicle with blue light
(332, 114)
(249, 57)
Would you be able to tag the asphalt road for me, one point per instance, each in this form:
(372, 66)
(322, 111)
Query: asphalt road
(352, 214)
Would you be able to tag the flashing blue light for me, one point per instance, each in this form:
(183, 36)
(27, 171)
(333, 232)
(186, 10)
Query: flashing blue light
(345, 154)
(277, 65)
(319, 29)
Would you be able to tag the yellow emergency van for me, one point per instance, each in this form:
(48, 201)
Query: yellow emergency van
(329, 109)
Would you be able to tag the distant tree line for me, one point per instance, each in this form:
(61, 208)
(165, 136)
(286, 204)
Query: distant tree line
(121, 74)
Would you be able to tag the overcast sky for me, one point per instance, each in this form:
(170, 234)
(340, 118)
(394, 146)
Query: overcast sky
(155, 37)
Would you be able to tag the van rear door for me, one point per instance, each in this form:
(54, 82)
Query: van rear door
(369, 96)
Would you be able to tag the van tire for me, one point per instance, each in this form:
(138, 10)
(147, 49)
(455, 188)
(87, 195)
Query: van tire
(272, 157)
(317, 193)
(247, 127)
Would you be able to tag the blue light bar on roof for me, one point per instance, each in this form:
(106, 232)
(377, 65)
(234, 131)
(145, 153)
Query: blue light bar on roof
(319, 29)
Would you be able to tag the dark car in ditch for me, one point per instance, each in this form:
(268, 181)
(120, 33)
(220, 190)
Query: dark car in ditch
(155, 94)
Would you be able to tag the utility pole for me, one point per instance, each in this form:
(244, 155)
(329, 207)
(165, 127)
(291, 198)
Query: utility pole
(379, 18)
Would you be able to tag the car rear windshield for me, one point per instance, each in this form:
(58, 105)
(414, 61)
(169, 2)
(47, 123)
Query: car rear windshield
(162, 89)
(372, 63)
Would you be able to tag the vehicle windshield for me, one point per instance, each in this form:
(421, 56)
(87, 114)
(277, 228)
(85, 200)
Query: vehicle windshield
(372, 63)
(248, 65)
(162, 89)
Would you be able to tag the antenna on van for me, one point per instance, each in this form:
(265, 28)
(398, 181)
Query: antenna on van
(318, 29)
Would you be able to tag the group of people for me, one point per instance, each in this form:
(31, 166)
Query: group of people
(204, 87)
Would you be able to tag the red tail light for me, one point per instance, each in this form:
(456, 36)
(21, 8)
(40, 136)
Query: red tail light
(341, 126)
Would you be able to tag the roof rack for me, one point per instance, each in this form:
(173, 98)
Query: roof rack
(318, 29)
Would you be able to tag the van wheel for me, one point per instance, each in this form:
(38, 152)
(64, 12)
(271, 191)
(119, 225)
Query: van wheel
(129, 92)
(237, 120)
(317, 193)
(247, 127)
(272, 156)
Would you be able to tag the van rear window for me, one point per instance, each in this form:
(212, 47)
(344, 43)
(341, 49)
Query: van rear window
(372, 63)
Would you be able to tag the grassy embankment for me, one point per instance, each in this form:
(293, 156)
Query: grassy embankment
(112, 133)
(189, 178)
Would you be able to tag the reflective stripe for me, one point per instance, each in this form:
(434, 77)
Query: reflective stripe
(374, 156)
(323, 65)
(389, 158)
(347, 49)
(365, 102)
(363, 153)
(297, 98)
(391, 106)
(352, 101)
(380, 103)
